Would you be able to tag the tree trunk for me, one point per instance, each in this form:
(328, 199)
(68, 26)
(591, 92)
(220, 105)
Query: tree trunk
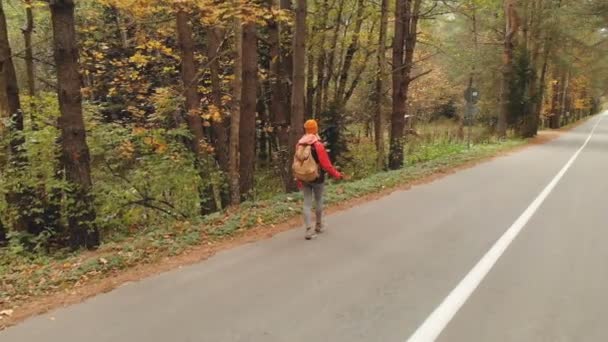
(352, 49)
(542, 82)
(10, 103)
(122, 31)
(406, 25)
(10, 107)
(26, 200)
(511, 28)
(297, 92)
(189, 81)
(555, 102)
(248, 109)
(280, 79)
(220, 128)
(316, 42)
(29, 60)
(321, 59)
(473, 73)
(2, 234)
(381, 71)
(286, 36)
(262, 114)
(310, 87)
(318, 106)
(279, 111)
(358, 72)
(76, 159)
(332, 55)
(235, 118)
(399, 99)
(565, 94)
(533, 44)
(193, 115)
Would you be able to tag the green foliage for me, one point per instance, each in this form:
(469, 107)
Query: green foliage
(268, 183)
(426, 153)
(36, 181)
(142, 176)
(362, 160)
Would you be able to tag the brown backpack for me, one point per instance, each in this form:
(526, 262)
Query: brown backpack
(305, 168)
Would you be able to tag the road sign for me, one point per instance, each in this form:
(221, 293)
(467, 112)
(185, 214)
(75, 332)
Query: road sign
(472, 95)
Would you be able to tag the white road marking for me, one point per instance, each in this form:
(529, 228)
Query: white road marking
(432, 327)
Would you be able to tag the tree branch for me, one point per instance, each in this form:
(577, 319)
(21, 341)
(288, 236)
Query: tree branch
(412, 79)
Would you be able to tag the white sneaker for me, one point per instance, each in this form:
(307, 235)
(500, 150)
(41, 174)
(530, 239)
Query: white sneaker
(310, 234)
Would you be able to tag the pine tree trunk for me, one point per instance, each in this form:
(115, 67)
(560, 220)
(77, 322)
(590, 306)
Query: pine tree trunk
(248, 109)
(193, 115)
(511, 28)
(220, 128)
(358, 72)
(262, 114)
(318, 106)
(297, 92)
(555, 101)
(534, 44)
(329, 76)
(279, 111)
(321, 59)
(29, 60)
(286, 36)
(76, 159)
(542, 82)
(235, 118)
(381, 71)
(564, 102)
(353, 47)
(406, 25)
(310, 87)
(399, 100)
(279, 106)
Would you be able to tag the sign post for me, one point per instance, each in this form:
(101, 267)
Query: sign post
(471, 95)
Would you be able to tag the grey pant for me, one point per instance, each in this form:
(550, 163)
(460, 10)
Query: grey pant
(309, 190)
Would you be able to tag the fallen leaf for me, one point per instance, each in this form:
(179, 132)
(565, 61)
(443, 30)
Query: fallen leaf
(103, 261)
(7, 313)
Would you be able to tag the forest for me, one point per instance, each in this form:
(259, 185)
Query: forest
(161, 121)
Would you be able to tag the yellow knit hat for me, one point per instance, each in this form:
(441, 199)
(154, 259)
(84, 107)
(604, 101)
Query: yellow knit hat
(311, 127)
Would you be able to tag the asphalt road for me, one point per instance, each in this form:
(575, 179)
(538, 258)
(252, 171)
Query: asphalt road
(383, 267)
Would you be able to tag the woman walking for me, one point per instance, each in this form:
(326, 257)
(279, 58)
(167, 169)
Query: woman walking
(310, 166)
